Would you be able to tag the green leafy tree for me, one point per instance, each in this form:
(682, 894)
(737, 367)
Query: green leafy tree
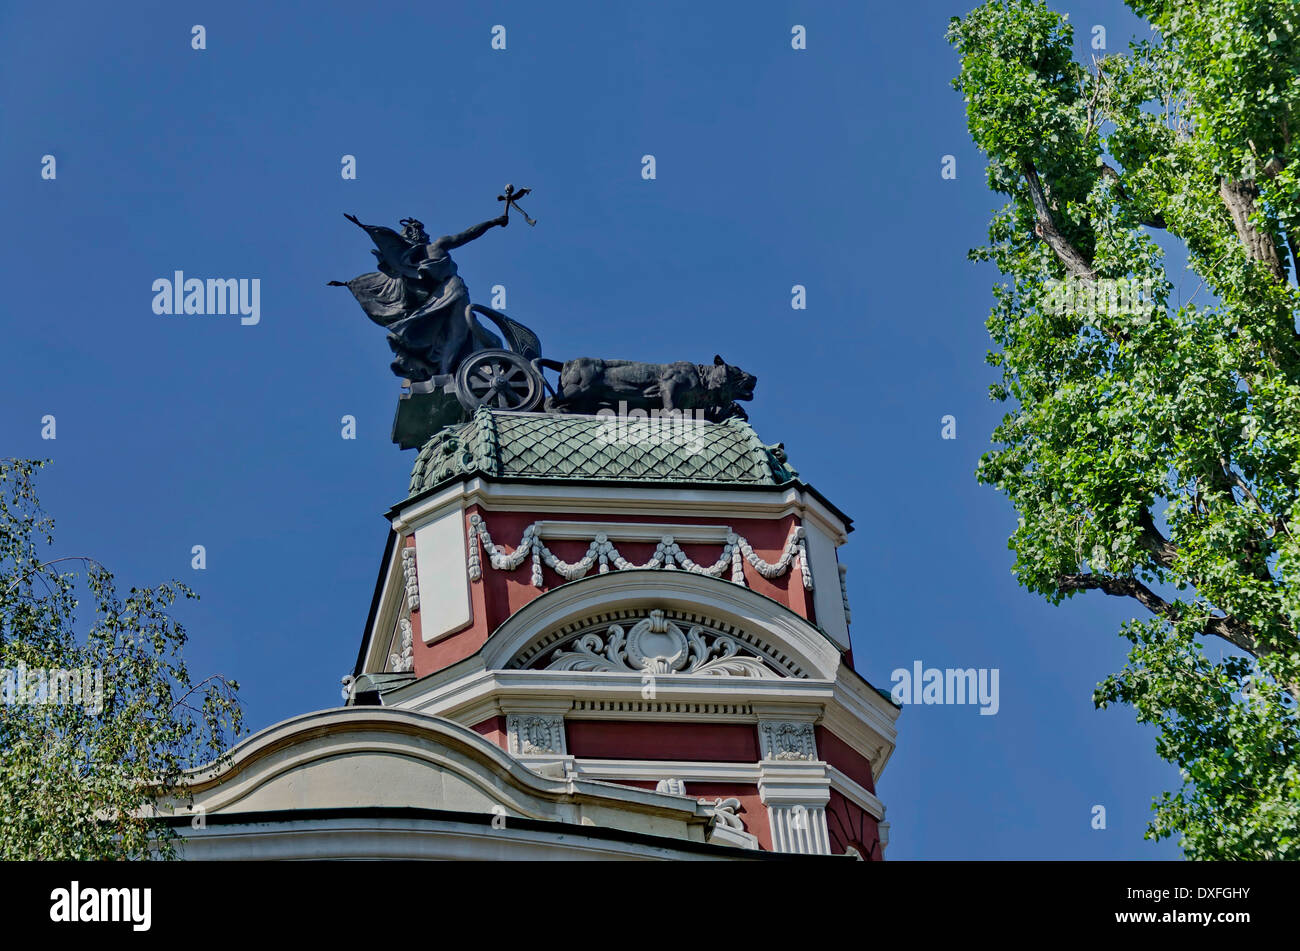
(84, 754)
(1152, 440)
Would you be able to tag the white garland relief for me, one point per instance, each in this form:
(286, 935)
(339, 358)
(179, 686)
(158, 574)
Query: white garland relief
(412, 580)
(602, 554)
(658, 646)
(406, 659)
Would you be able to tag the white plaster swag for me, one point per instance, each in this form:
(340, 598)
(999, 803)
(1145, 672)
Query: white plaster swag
(602, 554)
(404, 661)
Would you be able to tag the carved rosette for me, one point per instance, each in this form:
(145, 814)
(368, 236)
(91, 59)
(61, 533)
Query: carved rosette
(532, 734)
(783, 740)
(656, 645)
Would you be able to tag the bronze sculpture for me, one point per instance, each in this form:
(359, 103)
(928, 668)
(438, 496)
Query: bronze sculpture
(420, 299)
(453, 365)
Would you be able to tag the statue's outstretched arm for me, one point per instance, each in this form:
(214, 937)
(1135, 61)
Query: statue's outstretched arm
(469, 234)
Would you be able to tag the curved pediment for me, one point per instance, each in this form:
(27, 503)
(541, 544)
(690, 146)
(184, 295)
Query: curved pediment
(656, 641)
(378, 757)
(667, 623)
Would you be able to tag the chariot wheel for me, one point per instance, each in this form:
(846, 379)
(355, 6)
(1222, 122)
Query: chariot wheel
(498, 379)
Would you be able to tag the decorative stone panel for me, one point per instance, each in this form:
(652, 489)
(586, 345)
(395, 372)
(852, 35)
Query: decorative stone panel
(532, 734)
(784, 740)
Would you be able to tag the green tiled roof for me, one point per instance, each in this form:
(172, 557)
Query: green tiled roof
(560, 447)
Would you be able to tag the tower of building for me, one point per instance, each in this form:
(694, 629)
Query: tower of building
(591, 635)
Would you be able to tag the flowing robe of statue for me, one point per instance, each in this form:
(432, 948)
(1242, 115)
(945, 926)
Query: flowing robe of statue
(420, 299)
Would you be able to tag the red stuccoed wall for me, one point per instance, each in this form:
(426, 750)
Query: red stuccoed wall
(493, 729)
(844, 758)
(499, 594)
(693, 742)
(851, 825)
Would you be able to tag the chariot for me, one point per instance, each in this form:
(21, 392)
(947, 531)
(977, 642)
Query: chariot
(503, 379)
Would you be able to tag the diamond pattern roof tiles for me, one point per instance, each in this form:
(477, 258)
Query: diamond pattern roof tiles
(563, 447)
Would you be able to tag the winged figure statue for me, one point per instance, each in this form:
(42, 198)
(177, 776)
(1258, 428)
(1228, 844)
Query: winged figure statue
(418, 296)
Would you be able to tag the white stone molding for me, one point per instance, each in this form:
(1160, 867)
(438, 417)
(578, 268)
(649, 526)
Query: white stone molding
(470, 695)
(329, 759)
(412, 579)
(864, 719)
(725, 812)
(423, 839)
(389, 608)
(405, 660)
(440, 564)
(674, 787)
(800, 829)
(786, 740)
(655, 645)
(856, 793)
(653, 640)
(767, 621)
(602, 554)
(621, 696)
(728, 827)
(712, 501)
(796, 794)
(686, 771)
(599, 709)
(725, 835)
(533, 734)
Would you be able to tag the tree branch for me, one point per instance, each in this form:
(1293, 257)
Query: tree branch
(1222, 627)
(1239, 197)
(1069, 255)
(1156, 220)
(1162, 549)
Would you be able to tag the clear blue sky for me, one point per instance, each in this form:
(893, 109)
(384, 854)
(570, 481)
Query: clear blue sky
(775, 167)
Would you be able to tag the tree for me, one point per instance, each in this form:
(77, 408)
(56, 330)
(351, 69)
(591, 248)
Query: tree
(1152, 445)
(91, 729)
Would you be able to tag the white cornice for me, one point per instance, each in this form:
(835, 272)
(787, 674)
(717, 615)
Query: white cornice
(509, 688)
(698, 772)
(615, 499)
(477, 694)
(855, 792)
(862, 717)
(654, 770)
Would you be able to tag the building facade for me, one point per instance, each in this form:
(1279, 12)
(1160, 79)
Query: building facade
(590, 637)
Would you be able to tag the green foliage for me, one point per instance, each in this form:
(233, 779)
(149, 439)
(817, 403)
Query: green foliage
(1154, 453)
(78, 782)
